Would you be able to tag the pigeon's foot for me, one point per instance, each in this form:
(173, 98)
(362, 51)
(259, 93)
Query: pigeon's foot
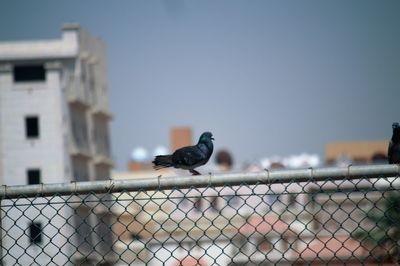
(194, 172)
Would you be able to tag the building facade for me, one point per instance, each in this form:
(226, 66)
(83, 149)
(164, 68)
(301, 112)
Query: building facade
(356, 152)
(54, 127)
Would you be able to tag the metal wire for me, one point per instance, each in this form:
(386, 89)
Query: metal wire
(319, 216)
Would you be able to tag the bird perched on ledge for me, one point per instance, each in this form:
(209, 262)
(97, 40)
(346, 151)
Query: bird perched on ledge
(394, 145)
(189, 157)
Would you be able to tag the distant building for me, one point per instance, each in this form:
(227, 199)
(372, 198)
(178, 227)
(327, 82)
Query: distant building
(140, 160)
(54, 127)
(180, 137)
(356, 151)
(285, 224)
(137, 218)
(302, 160)
(171, 225)
(224, 160)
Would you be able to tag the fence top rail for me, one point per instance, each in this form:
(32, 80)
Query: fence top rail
(264, 177)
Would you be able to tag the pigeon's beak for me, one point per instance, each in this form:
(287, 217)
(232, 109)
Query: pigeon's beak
(212, 138)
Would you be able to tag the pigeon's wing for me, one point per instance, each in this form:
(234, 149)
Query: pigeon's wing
(394, 153)
(187, 157)
(390, 152)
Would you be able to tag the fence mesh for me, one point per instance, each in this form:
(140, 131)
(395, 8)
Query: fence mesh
(346, 221)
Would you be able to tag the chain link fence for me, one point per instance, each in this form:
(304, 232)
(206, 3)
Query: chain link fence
(292, 217)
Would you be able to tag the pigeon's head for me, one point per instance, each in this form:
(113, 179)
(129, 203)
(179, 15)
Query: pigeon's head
(206, 136)
(396, 129)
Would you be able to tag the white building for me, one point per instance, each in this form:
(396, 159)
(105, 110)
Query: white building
(54, 127)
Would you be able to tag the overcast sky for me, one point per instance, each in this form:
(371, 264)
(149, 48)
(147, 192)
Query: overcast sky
(266, 77)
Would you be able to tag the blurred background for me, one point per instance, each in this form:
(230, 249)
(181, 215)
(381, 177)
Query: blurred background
(93, 90)
(270, 79)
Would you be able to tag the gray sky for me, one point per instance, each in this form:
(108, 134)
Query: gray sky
(266, 77)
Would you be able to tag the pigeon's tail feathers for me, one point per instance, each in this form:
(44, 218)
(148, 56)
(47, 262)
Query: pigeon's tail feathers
(162, 161)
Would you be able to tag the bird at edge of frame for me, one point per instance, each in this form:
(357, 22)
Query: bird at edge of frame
(190, 157)
(394, 145)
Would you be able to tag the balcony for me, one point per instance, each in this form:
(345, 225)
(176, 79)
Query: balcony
(101, 111)
(101, 159)
(77, 93)
(79, 151)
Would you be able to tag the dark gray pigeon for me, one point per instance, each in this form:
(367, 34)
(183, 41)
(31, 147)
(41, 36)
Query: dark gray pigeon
(394, 145)
(189, 157)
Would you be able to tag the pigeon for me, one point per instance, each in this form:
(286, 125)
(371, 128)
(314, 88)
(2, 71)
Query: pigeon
(188, 157)
(394, 145)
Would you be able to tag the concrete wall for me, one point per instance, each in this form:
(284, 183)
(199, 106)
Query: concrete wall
(75, 67)
(19, 100)
(46, 153)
